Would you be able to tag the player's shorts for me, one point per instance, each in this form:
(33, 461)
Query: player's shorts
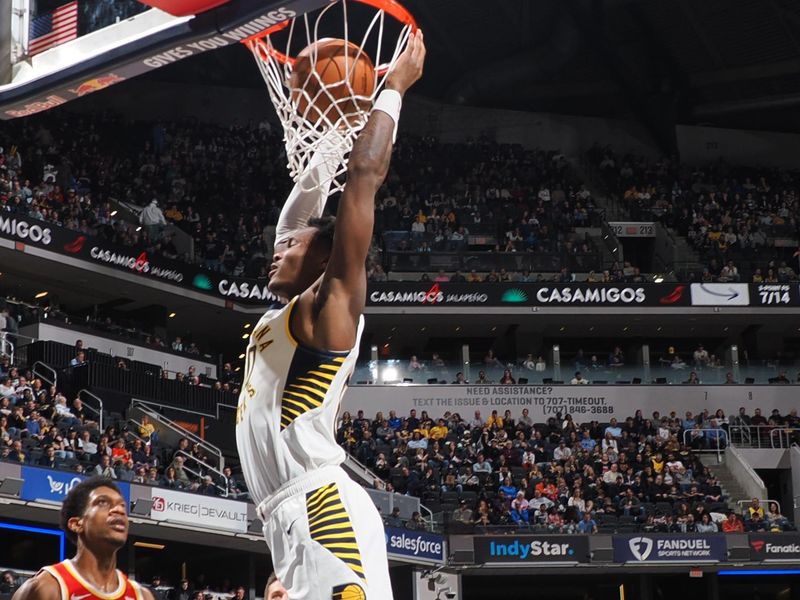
(327, 539)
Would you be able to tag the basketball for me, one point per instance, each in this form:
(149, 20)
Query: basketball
(332, 63)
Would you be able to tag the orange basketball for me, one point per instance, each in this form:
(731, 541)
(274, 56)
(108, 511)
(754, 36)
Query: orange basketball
(337, 62)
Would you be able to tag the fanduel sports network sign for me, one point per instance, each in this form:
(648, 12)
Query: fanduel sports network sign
(194, 509)
(418, 545)
(49, 485)
(779, 546)
(531, 549)
(670, 548)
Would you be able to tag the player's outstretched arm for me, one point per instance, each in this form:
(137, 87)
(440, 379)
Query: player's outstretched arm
(39, 587)
(309, 195)
(340, 299)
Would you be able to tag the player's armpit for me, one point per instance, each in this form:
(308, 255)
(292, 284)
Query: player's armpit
(39, 587)
(147, 594)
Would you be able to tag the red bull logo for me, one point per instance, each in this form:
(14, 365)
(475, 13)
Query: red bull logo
(96, 84)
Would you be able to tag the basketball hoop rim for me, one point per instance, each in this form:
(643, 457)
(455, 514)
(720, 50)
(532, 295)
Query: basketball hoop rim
(391, 7)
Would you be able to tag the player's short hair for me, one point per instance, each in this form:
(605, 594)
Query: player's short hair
(77, 499)
(273, 577)
(326, 227)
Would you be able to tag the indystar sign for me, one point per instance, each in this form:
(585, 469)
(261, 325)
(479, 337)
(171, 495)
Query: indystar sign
(531, 549)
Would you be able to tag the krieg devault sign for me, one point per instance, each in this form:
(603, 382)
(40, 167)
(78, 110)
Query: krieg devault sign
(670, 548)
(195, 509)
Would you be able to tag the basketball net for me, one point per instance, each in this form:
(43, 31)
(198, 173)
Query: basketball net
(333, 133)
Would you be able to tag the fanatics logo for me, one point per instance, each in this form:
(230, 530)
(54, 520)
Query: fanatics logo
(758, 545)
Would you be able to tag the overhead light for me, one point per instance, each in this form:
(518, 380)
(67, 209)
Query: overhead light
(41, 295)
(237, 369)
(172, 315)
(494, 328)
(149, 545)
(458, 328)
(591, 328)
(658, 328)
(421, 328)
(241, 356)
(614, 250)
(140, 228)
(245, 336)
(113, 213)
(247, 325)
(563, 328)
(658, 279)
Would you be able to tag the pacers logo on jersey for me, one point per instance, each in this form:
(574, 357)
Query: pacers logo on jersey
(351, 591)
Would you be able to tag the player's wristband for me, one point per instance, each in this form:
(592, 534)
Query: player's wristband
(390, 102)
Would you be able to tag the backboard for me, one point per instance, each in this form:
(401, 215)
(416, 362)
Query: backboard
(148, 39)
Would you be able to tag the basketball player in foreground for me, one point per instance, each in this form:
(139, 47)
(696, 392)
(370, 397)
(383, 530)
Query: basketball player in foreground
(326, 536)
(95, 518)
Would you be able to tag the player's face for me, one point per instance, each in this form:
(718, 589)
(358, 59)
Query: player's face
(296, 264)
(105, 520)
(276, 591)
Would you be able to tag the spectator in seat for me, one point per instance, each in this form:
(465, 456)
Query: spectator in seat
(706, 525)
(490, 360)
(394, 520)
(460, 379)
(587, 524)
(180, 473)
(507, 378)
(415, 522)
(757, 524)
(733, 524)
(463, 514)
(482, 378)
(777, 522)
(8, 582)
(207, 488)
(755, 509)
(578, 379)
(700, 357)
(79, 360)
(125, 470)
(693, 379)
(104, 469)
(48, 459)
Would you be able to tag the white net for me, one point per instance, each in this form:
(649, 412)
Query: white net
(320, 117)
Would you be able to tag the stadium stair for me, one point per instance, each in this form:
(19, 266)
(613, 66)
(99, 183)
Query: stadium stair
(729, 485)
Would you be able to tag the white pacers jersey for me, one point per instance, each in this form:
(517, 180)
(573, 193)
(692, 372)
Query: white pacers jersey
(286, 418)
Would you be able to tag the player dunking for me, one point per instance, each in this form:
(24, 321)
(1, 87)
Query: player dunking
(95, 517)
(324, 532)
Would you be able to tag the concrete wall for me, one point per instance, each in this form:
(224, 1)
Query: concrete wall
(123, 349)
(744, 473)
(700, 145)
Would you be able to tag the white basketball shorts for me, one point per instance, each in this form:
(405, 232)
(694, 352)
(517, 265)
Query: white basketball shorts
(327, 539)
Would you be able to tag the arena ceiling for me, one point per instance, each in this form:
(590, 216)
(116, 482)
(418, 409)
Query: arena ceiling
(731, 63)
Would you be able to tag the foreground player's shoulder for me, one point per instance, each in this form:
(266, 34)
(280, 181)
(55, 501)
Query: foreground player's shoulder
(42, 586)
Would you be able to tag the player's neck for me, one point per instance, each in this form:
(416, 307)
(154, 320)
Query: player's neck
(98, 569)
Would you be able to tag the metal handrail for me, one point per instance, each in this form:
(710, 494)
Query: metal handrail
(6, 347)
(98, 411)
(54, 381)
(759, 436)
(721, 435)
(203, 465)
(782, 431)
(765, 502)
(159, 418)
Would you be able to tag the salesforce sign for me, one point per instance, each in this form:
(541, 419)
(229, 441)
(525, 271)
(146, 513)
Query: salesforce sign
(420, 546)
